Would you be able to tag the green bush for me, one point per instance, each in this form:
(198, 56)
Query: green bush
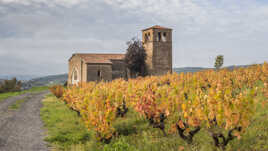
(12, 85)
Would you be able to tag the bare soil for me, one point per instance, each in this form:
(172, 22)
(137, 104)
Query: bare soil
(22, 129)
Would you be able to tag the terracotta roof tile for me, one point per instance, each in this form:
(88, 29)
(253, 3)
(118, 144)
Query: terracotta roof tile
(100, 58)
(157, 27)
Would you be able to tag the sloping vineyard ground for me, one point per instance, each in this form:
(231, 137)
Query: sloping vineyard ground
(221, 104)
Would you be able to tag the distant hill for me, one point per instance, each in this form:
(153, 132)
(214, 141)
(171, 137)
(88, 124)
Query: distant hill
(47, 80)
(18, 77)
(238, 66)
(196, 69)
(189, 69)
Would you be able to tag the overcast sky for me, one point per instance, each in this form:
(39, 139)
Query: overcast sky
(38, 36)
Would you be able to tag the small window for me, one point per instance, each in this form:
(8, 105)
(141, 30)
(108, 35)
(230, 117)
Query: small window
(75, 75)
(99, 73)
(146, 38)
(159, 36)
(164, 36)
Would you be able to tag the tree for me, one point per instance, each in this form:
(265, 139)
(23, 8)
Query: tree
(135, 58)
(12, 85)
(218, 62)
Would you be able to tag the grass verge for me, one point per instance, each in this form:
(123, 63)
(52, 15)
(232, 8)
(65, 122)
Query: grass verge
(67, 132)
(32, 90)
(64, 127)
(16, 105)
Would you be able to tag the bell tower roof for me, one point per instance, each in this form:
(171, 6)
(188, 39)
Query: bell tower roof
(157, 27)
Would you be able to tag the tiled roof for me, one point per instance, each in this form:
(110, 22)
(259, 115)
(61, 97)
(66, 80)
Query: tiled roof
(100, 58)
(157, 27)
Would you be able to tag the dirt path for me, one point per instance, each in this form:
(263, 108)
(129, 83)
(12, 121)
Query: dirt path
(21, 129)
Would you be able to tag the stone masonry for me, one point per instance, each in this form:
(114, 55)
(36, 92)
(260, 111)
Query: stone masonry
(157, 42)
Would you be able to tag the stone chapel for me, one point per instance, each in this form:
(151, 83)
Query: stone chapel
(157, 41)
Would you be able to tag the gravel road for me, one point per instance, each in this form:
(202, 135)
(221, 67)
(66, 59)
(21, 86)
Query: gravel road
(22, 129)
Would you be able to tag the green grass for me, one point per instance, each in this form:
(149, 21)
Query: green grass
(16, 105)
(32, 90)
(66, 132)
(64, 127)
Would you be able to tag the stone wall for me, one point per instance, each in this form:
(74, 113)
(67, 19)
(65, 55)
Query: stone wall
(148, 46)
(74, 63)
(158, 46)
(118, 69)
(97, 72)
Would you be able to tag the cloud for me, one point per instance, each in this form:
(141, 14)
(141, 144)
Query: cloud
(51, 3)
(44, 33)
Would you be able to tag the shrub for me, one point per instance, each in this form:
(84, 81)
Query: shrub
(57, 90)
(12, 85)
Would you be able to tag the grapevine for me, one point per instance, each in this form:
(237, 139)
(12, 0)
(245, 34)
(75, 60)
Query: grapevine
(183, 104)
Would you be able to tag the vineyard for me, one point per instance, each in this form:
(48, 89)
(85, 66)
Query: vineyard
(221, 102)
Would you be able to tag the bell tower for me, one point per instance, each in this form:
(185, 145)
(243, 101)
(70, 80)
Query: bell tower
(157, 42)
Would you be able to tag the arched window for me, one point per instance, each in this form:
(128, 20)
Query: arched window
(159, 37)
(146, 38)
(99, 73)
(164, 37)
(75, 76)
